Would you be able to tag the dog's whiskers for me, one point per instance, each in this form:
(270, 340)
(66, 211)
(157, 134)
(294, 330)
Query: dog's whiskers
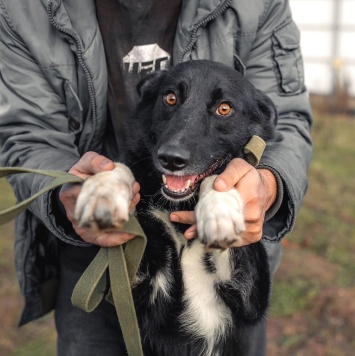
(140, 160)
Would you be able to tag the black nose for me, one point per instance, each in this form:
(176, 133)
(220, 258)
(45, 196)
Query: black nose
(173, 158)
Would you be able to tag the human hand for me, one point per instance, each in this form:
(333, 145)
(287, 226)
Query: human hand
(90, 164)
(258, 189)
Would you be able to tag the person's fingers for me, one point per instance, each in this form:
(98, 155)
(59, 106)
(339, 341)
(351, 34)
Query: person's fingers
(191, 232)
(135, 188)
(236, 169)
(91, 163)
(101, 238)
(135, 196)
(135, 200)
(183, 217)
(68, 195)
(111, 239)
(186, 217)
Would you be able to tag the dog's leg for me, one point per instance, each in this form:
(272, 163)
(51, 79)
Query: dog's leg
(220, 216)
(103, 203)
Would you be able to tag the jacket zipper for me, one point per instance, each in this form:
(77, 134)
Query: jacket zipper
(75, 37)
(211, 17)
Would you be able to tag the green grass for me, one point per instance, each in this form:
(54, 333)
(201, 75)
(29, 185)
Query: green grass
(292, 296)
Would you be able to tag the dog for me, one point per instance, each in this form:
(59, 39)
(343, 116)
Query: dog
(196, 297)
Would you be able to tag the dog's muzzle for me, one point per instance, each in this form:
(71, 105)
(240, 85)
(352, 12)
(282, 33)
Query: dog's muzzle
(183, 187)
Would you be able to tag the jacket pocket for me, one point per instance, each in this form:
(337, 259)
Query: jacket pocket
(288, 59)
(74, 107)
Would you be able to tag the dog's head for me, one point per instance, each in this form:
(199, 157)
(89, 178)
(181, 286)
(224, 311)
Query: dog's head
(195, 118)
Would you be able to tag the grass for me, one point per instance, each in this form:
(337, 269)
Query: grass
(288, 298)
(314, 287)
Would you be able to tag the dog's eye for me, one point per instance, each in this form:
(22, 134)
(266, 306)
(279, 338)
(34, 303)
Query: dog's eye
(223, 109)
(170, 99)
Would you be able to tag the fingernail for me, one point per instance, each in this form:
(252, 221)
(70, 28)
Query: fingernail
(104, 163)
(174, 218)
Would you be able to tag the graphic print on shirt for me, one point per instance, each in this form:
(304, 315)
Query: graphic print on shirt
(145, 59)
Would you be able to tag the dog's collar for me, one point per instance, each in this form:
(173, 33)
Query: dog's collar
(254, 149)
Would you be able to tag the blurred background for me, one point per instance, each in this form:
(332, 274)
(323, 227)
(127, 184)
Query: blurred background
(313, 305)
(313, 301)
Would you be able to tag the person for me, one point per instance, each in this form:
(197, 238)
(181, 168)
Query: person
(68, 73)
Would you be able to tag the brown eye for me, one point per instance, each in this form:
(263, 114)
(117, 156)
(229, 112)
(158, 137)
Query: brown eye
(223, 109)
(170, 99)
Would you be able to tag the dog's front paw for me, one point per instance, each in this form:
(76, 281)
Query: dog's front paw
(103, 202)
(220, 216)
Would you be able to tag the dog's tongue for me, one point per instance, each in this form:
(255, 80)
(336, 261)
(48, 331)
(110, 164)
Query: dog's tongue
(179, 183)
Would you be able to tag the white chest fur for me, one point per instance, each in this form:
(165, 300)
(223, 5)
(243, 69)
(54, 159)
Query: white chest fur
(205, 314)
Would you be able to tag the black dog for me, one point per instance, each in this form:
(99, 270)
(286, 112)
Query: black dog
(191, 121)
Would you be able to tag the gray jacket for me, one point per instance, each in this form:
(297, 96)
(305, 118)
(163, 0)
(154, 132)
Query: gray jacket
(53, 92)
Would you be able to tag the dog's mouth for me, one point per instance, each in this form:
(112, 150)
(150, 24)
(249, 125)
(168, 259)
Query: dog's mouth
(183, 187)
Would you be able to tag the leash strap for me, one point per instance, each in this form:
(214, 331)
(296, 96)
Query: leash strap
(121, 263)
(60, 178)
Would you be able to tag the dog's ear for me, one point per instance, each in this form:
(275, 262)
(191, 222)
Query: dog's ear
(149, 84)
(264, 114)
(267, 108)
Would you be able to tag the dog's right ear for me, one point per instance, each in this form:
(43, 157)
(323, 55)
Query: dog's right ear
(149, 84)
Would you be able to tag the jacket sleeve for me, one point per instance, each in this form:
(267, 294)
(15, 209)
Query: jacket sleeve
(34, 129)
(275, 66)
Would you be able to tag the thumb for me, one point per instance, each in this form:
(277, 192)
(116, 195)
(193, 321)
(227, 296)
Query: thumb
(183, 217)
(91, 163)
(236, 169)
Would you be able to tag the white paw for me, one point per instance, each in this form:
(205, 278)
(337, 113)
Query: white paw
(220, 217)
(103, 202)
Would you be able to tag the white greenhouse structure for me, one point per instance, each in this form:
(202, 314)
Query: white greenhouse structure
(328, 43)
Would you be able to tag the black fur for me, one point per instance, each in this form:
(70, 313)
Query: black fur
(193, 131)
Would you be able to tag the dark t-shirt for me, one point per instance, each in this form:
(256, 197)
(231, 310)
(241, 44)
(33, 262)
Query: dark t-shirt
(138, 38)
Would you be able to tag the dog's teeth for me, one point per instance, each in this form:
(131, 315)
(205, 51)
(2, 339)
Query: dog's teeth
(181, 190)
(187, 185)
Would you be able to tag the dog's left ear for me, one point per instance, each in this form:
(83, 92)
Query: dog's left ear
(149, 84)
(266, 108)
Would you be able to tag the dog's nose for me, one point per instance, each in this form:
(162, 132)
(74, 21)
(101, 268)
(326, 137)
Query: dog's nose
(173, 158)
